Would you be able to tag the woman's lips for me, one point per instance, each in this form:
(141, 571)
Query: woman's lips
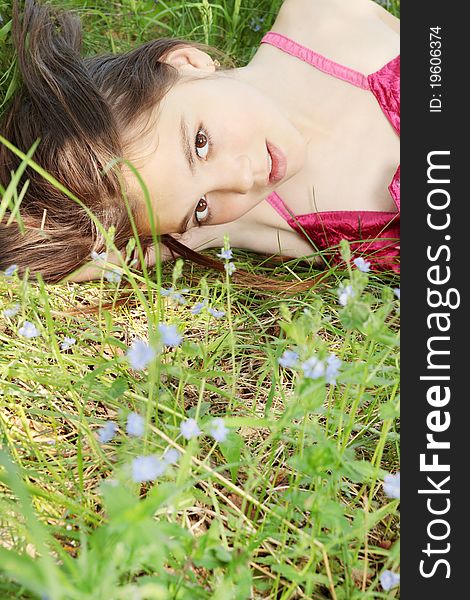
(278, 164)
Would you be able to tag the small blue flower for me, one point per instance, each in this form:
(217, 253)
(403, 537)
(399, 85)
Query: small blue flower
(147, 468)
(333, 364)
(12, 311)
(217, 314)
(391, 485)
(140, 354)
(396, 291)
(345, 293)
(218, 430)
(11, 270)
(67, 343)
(289, 359)
(171, 456)
(107, 432)
(170, 336)
(225, 253)
(113, 275)
(230, 268)
(313, 368)
(189, 429)
(135, 424)
(197, 308)
(177, 296)
(28, 330)
(255, 23)
(99, 258)
(362, 265)
(389, 580)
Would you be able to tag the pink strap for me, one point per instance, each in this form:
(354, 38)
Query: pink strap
(317, 60)
(278, 204)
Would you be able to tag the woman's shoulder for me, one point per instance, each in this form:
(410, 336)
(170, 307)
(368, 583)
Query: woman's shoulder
(325, 9)
(359, 34)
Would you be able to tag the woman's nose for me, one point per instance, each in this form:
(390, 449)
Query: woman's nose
(235, 174)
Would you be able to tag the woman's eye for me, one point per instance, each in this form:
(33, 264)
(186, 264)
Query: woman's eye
(202, 210)
(202, 144)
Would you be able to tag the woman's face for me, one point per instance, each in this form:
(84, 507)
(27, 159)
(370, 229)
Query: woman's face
(218, 147)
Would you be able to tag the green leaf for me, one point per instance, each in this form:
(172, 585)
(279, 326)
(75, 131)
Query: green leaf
(355, 314)
(23, 569)
(311, 393)
(232, 451)
(345, 250)
(360, 471)
(5, 30)
(118, 498)
(390, 410)
(317, 459)
(210, 553)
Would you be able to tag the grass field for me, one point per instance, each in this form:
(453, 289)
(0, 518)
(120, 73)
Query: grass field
(206, 440)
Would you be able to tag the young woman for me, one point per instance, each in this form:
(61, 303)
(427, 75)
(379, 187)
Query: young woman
(287, 155)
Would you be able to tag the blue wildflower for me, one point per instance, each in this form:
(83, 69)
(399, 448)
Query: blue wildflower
(230, 268)
(147, 468)
(28, 330)
(11, 270)
(178, 297)
(12, 311)
(396, 291)
(218, 430)
(99, 258)
(389, 580)
(333, 364)
(170, 336)
(225, 253)
(140, 354)
(255, 23)
(67, 342)
(107, 432)
(197, 308)
(345, 293)
(361, 264)
(189, 429)
(217, 314)
(391, 485)
(313, 368)
(289, 359)
(113, 275)
(171, 456)
(173, 295)
(135, 424)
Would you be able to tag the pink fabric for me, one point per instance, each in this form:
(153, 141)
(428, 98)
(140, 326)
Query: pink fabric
(373, 233)
(317, 60)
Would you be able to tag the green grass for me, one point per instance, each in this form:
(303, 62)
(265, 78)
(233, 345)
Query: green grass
(290, 505)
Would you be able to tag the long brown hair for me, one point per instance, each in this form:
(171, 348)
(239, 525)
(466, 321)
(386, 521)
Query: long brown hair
(77, 108)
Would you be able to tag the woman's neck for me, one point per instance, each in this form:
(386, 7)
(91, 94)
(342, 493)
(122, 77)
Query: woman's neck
(315, 115)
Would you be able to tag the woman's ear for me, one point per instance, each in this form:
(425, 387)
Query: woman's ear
(190, 61)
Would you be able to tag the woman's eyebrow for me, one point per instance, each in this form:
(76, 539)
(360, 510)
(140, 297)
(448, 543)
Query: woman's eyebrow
(186, 144)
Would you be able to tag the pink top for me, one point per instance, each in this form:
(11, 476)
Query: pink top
(374, 233)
